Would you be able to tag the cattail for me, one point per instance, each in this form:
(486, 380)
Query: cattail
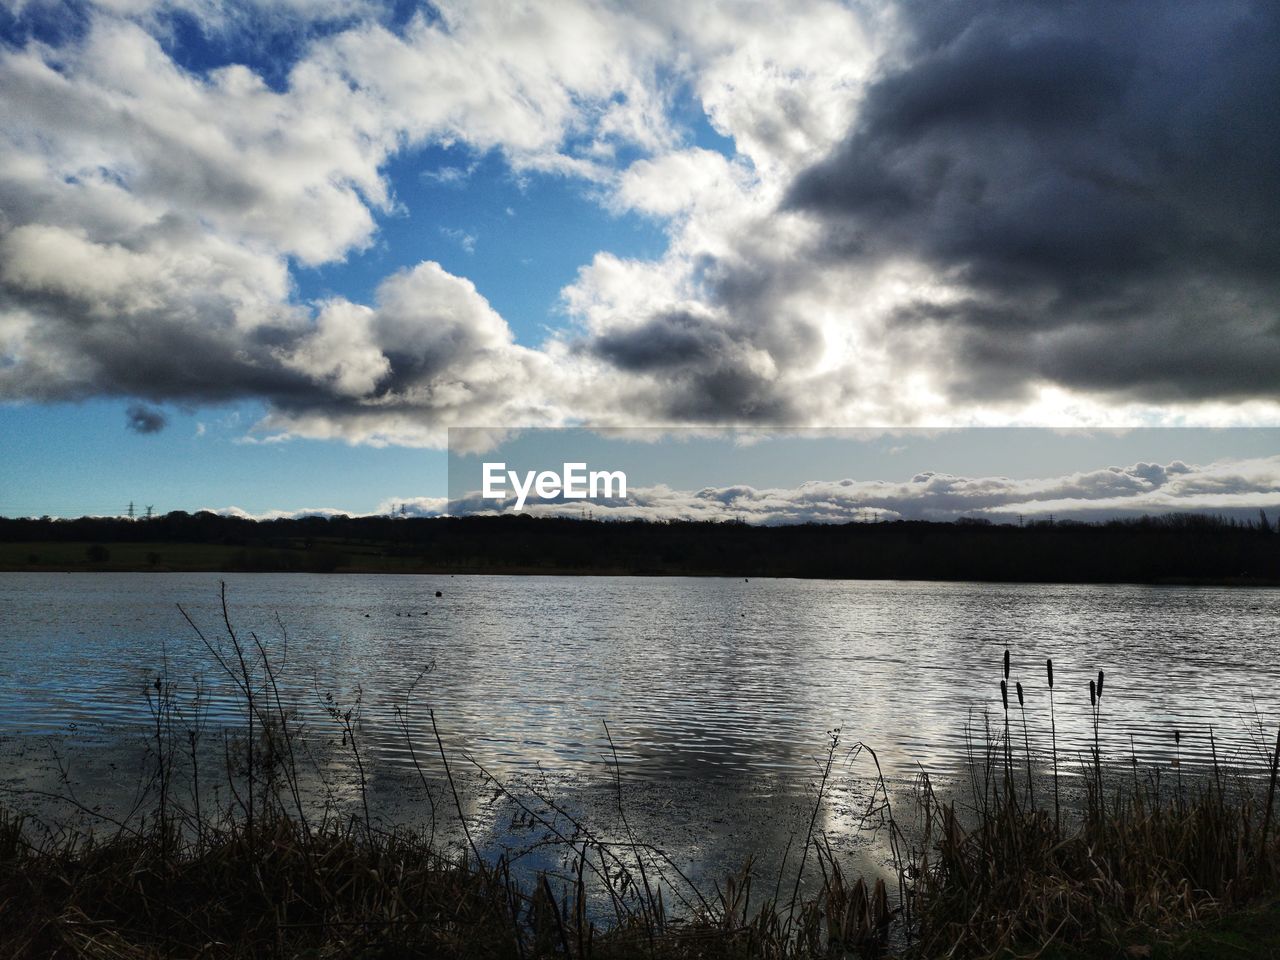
(1020, 694)
(1048, 666)
(1004, 695)
(1093, 694)
(1006, 663)
(1177, 737)
(1101, 675)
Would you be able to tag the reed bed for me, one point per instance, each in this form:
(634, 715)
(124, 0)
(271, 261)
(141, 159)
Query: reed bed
(1001, 868)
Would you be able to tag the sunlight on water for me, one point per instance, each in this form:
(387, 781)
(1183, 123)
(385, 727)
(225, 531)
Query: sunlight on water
(695, 677)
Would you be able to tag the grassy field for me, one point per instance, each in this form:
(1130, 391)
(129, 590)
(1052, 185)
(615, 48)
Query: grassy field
(299, 555)
(120, 556)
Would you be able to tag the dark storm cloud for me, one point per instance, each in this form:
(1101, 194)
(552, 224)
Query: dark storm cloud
(713, 390)
(695, 369)
(144, 353)
(1100, 176)
(728, 391)
(668, 340)
(142, 419)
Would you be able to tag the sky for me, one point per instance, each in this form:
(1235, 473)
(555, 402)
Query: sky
(260, 256)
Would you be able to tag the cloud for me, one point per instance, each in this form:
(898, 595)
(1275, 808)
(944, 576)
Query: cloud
(430, 352)
(554, 89)
(110, 136)
(1017, 213)
(243, 514)
(223, 15)
(449, 176)
(1090, 184)
(142, 419)
(407, 507)
(467, 241)
(414, 507)
(971, 213)
(1231, 487)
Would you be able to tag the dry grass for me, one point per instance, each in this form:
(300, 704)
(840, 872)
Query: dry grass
(1142, 859)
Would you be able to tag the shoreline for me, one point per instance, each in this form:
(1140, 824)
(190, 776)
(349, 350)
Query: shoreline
(529, 570)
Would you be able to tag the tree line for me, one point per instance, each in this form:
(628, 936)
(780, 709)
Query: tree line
(1170, 548)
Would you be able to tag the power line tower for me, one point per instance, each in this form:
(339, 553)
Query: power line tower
(150, 508)
(129, 512)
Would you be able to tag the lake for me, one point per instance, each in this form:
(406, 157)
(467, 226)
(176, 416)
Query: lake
(719, 693)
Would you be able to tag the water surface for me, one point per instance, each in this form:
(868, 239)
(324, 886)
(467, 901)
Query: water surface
(719, 693)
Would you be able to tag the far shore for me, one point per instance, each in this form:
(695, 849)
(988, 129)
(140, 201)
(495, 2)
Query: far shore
(73, 557)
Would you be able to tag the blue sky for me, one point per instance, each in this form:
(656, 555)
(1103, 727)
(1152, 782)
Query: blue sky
(263, 256)
(519, 241)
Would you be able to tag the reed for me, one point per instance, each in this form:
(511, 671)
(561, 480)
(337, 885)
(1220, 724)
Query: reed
(1271, 791)
(1026, 743)
(1095, 702)
(1053, 727)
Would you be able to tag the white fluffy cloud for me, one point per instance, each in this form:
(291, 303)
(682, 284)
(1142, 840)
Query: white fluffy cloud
(430, 352)
(110, 136)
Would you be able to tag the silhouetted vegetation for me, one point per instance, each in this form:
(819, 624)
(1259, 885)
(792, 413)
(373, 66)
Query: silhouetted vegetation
(1167, 549)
